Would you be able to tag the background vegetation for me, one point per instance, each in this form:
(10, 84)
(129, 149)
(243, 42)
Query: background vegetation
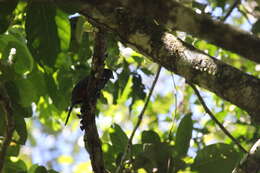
(47, 47)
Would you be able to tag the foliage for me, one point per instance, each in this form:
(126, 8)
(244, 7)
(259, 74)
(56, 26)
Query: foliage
(46, 49)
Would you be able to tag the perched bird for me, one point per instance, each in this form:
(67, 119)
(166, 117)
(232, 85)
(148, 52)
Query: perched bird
(79, 92)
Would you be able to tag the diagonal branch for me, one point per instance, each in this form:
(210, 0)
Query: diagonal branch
(212, 116)
(140, 118)
(175, 16)
(234, 5)
(147, 37)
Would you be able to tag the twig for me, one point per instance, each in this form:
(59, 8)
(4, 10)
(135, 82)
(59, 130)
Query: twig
(212, 116)
(10, 126)
(176, 107)
(140, 118)
(230, 10)
(244, 13)
(91, 137)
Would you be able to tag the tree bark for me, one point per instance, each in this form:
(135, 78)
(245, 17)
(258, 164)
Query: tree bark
(147, 37)
(175, 16)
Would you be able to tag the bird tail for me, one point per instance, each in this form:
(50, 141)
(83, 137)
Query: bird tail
(68, 116)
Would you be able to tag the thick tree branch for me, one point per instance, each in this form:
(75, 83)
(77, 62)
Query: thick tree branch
(165, 49)
(175, 16)
(91, 137)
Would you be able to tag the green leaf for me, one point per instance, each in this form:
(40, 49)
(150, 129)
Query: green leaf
(109, 156)
(50, 36)
(64, 30)
(137, 92)
(137, 149)
(52, 171)
(27, 93)
(13, 149)
(20, 128)
(142, 161)
(6, 9)
(37, 169)
(121, 82)
(38, 82)
(15, 166)
(183, 135)
(112, 51)
(146, 71)
(256, 27)
(156, 155)
(65, 83)
(118, 138)
(84, 48)
(150, 136)
(52, 88)
(216, 158)
(15, 52)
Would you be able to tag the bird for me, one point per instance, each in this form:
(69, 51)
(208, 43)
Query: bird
(79, 92)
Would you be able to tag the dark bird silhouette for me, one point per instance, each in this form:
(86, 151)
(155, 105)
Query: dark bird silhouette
(80, 93)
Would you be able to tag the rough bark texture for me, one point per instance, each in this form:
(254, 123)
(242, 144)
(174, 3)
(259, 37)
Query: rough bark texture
(91, 138)
(175, 16)
(147, 37)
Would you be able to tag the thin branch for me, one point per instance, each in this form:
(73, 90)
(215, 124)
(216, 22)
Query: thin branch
(244, 13)
(235, 4)
(212, 116)
(176, 107)
(140, 118)
(10, 126)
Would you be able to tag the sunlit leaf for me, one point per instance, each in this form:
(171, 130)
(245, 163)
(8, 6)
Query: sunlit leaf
(50, 36)
(183, 135)
(216, 158)
(15, 52)
(14, 165)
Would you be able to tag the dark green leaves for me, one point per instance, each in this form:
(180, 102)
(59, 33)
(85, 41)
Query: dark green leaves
(118, 138)
(15, 166)
(40, 169)
(6, 9)
(138, 87)
(150, 137)
(183, 135)
(47, 31)
(155, 155)
(16, 53)
(256, 27)
(216, 158)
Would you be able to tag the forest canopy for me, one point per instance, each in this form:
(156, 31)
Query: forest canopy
(153, 86)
